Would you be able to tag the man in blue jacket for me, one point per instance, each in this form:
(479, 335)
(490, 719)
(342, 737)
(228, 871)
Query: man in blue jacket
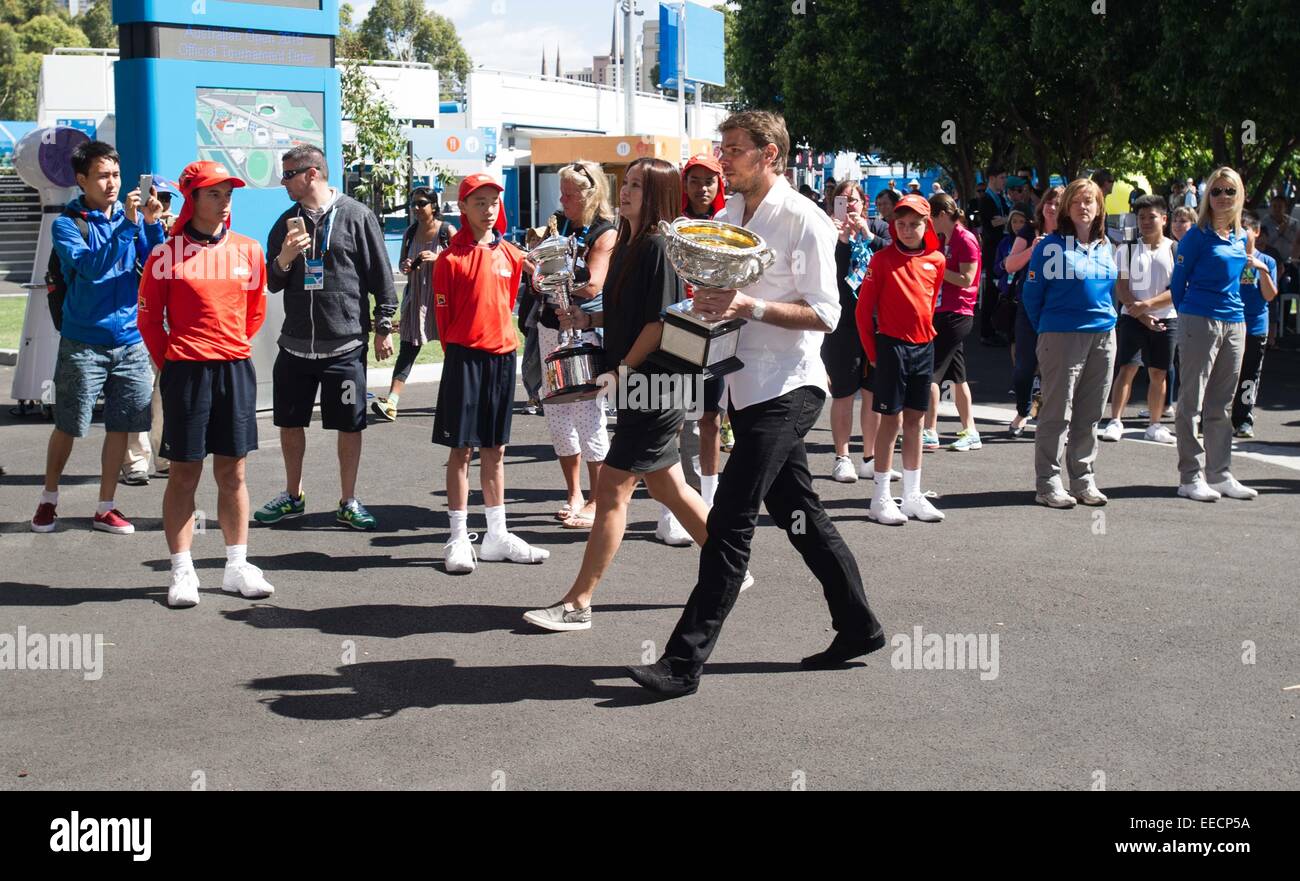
(101, 351)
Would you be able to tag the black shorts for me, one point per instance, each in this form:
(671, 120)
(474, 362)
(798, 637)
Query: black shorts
(1136, 343)
(711, 401)
(903, 372)
(341, 381)
(844, 357)
(476, 398)
(645, 440)
(208, 407)
(950, 332)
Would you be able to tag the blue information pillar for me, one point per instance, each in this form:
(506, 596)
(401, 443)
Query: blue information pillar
(237, 81)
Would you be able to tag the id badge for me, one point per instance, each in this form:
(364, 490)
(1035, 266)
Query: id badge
(314, 277)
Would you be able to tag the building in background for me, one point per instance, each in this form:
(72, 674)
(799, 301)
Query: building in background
(74, 7)
(650, 56)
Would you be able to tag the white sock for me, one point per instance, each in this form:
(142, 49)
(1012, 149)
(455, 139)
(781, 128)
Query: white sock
(105, 507)
(183, 560)
(664, 513)
(49, 498)
(236, 555)
(882, 486)
(496, 519)
(708, 486)
(459, 519)
(911, 483)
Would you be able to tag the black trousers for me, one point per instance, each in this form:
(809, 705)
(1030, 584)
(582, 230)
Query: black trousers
(1252, 371)
(768, 466)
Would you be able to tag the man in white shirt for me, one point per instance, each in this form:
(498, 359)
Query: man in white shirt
(1148, 324)
(775, 399)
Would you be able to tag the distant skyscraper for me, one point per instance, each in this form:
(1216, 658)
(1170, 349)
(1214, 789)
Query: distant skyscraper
(74, 7)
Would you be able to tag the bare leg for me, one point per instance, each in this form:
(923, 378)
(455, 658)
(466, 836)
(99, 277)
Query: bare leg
(932, 414)
(232, 499)
(961, 395)
(349, 462)
(110, 463)
(841, 424)
(56, 458)
(1119, 395)
(870, 424)
(178, 505)
(458, 478)
(491, 475)
(668, 487)
(395, 387)
(885, 436)
(293, 444)
(572, 470)
(612, 494)
(1156, 394)
(710, 443)
(912, 420)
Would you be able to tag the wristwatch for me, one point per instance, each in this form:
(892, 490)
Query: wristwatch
(756, 311)
(384, 326)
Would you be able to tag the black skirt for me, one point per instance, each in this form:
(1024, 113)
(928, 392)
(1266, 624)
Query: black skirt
(645, 441)
(475, 398)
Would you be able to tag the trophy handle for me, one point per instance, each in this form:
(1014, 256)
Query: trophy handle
(766, 258)
(665, 228)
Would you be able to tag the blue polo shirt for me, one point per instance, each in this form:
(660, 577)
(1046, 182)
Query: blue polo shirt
(1207, 275)
(1068, 287)
(1252, 298)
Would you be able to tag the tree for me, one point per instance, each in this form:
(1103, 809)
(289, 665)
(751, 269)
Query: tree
(97, 24)
(44, 32)
(379, 154)
(349, 42)
(403, 30)
(28, 30)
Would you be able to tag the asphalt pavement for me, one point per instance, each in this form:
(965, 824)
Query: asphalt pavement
(1144, 645)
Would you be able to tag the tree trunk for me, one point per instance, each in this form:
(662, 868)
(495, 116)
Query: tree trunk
(1271, 170)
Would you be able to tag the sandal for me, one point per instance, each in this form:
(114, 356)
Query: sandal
(578, 520)
(565, 512)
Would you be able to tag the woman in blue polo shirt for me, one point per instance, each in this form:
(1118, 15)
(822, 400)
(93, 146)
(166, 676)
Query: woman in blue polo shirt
(1206, 290)
(1067, 297)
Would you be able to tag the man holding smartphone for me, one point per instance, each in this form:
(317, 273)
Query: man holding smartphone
(329, 260)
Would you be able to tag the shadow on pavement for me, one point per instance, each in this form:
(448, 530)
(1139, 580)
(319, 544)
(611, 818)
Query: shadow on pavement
(381, 689)
(17, 594)
(393, 621)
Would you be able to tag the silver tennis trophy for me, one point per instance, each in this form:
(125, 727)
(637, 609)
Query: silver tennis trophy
(572, 369)
(708, 254)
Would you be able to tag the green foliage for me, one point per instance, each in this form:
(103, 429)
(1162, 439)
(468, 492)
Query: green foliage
(28, 30)
(44, 32)
(379, 154)
(1161, 88)
(404, 30)
(97, 24)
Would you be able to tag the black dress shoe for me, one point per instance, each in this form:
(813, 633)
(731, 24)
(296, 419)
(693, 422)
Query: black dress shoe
(841, 650)
(658, 678)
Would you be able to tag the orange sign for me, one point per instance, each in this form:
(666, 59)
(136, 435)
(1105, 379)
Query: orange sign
(453, 144)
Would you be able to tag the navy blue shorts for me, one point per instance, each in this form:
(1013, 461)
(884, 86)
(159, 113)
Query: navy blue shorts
(902, 375)
(476, 398)
(341, 381)
(208, 407)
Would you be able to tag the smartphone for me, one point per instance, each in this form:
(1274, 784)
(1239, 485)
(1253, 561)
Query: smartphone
(841, 208)
(146, 186)
(297, 226)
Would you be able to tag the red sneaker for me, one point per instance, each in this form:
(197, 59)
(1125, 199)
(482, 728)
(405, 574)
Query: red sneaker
(45, 519)
(113, 522)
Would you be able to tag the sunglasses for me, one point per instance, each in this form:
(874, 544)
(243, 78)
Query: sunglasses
(1223, 191)
(421, 203)
(585, 173)
(290, 175)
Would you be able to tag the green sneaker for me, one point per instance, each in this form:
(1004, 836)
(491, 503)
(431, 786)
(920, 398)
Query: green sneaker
(929, 440)
(384, 409)
(354, 514)
(967, 439)
(282, 507)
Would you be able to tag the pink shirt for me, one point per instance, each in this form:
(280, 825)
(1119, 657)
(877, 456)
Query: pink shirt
(960, 247)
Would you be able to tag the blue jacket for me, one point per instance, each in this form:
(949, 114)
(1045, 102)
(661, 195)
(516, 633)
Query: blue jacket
(1252, 298)
(1068, 288)
(103, 288)
(1207, 275)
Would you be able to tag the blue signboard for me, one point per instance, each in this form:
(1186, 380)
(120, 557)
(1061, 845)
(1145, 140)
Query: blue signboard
(705, 46)
(89, 126)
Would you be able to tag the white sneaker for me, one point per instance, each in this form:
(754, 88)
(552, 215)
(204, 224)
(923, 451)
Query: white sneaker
(1199, 491)
(867, 470)
(886, 511)
(458, 554)
(184, 591)
(918, 507)
(246, 580)
(1233, 490)
(512, 548)
(1113, 431)
(671, 532)
(1159, 434)
(844, 472)
(748, 582)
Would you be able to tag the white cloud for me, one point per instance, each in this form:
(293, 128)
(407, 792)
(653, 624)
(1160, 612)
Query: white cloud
(499, 44)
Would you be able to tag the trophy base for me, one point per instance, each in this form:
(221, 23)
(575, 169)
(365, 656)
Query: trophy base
(572, 394)
(672, 364)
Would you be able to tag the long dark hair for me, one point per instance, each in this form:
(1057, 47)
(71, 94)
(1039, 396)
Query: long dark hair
(661, 199)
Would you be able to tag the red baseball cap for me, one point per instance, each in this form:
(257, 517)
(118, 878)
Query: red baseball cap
(196, 176)
(916, 202)
(921, 205)
(474, 182)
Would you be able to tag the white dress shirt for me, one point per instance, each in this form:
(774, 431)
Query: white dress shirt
(778, 361)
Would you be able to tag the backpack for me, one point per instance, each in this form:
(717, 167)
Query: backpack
(56, 283)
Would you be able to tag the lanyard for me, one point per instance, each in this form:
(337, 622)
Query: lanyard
(327, 221)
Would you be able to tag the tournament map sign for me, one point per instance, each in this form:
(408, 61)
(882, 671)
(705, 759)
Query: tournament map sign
(248, 131)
